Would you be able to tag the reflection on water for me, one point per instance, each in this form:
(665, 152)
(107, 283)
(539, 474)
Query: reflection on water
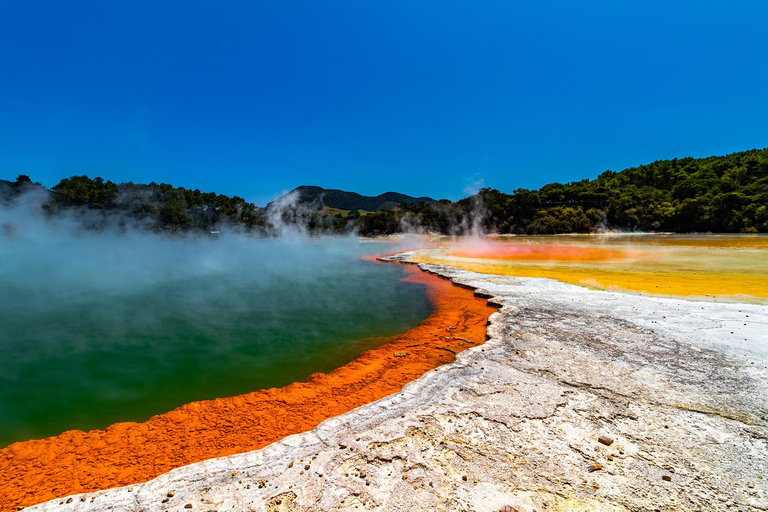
(715, 266)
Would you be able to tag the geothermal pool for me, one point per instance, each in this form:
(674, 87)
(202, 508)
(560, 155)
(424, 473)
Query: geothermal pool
(227, 289)
(710, 267)
(98, 329)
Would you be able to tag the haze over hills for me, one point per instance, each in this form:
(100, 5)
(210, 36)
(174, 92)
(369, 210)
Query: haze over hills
(6, 188)
(719, 194)
(317, 197)
(12, 189)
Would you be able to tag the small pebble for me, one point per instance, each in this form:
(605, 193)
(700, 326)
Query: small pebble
(594, 467)
(607, 441)
(666, 478)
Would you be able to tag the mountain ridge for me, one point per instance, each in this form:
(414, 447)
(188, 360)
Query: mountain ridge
(319, 197)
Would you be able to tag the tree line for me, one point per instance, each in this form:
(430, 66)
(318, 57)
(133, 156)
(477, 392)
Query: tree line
(155, 206)
(716, 194)
(723, 194)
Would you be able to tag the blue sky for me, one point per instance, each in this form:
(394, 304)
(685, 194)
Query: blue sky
(420, 97)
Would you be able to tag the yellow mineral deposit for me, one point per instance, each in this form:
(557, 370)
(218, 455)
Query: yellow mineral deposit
(719, 267)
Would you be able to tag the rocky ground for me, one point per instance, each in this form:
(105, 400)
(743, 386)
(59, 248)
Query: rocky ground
(579, 400)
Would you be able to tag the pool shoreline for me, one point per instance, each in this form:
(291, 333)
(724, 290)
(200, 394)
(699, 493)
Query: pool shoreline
(580, 399)
(128, 453)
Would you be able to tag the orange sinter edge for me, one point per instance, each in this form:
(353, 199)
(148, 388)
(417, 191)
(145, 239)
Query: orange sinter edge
(128, 453)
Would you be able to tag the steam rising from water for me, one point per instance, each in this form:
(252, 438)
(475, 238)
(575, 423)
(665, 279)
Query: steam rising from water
(112, 326)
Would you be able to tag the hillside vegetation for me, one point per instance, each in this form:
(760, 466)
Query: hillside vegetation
(318, 197)
(726, 194)
(100, 203)
(714, 194)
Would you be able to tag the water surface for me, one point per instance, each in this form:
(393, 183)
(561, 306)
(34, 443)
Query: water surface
(108, 328)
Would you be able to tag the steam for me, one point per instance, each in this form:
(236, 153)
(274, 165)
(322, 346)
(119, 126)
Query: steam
(287, 216)
(473, 225)
(80, 304)
(56, 253)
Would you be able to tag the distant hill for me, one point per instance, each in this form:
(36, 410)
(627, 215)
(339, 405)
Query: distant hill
(318, 197)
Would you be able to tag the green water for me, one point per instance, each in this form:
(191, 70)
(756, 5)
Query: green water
(140, 327)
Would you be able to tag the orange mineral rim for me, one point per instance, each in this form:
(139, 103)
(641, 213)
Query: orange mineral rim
(74, 462)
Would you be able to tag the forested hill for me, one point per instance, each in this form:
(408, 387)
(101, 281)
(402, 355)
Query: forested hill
(99, 203)
(715, 194)
(317, 197)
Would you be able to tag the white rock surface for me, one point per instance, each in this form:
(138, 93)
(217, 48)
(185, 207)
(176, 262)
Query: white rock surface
(680, 386)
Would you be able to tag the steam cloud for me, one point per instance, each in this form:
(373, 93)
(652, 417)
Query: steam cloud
(69, 291)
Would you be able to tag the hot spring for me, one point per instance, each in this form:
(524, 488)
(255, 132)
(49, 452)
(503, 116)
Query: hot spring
(709, 267)
(104, 328)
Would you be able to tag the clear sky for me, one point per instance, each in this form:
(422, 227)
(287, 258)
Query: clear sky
(424, 97)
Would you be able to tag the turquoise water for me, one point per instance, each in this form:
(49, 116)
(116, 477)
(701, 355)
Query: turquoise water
(97, 330)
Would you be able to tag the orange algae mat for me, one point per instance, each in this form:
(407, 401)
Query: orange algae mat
(127, 453)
